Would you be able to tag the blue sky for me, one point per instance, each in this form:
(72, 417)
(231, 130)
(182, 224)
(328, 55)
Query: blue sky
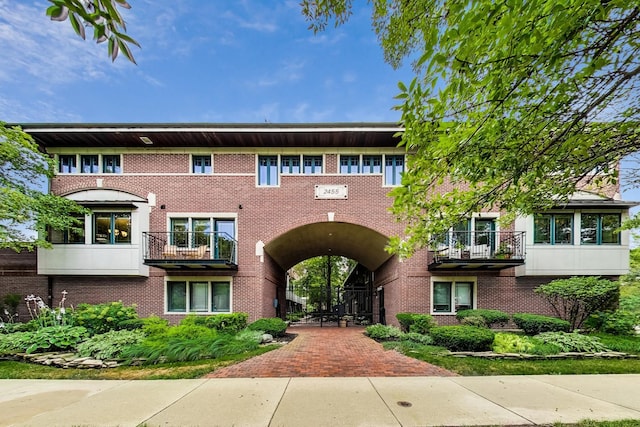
(201, 61)
(245, 61)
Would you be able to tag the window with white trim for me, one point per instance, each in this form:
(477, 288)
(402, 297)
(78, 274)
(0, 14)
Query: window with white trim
(448, 296)
(90, 163)
(312, 164)
(349, 164)
(201, 164)
(198, 296)
(393, 170)
(111, 164)
(67, 163)
(268, 170)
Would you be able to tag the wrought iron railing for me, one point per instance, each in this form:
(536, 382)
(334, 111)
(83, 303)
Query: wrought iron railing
(187, 245)
(479, 245)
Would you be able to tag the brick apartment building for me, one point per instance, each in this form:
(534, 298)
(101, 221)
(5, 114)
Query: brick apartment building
(208, 218)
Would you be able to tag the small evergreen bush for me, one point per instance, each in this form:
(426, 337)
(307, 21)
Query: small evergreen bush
(463, 338)
(533, 324)
(474, 321)
(491, 317)
(405, 320)
(100, 318)
(619, 322)
(381, 332)
(223, 322)
(270, 325)
(422, 324)
(572, 342)
(417, 338)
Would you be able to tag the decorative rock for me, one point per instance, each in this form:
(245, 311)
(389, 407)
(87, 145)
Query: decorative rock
(266, 338)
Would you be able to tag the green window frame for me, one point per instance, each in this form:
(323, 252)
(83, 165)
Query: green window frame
(89, 163)
(312, 164)
(600, 228)
(201, 165)
(267, 171)
(290, 165)
(111, 164)
(67, 163)
(553, 229)
(198, 296)
(393, 170)
(371, 164)
(349, 164)
(112, 228)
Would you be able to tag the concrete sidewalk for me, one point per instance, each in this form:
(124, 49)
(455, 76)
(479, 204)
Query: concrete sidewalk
(356, 401)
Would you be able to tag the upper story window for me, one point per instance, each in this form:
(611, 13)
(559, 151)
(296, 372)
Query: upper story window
(553, 229)
(268, 170)
(89, 163)
(74, 235)
(599, 229)
(67, 163)
(111, 164)
(201, 164)
(371, 164)
(217, 233)
(350, 164)
(393, 169)
(290, 164)
(312, 164)
(111, 227)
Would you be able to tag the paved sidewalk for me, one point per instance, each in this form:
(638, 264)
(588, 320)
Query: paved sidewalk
(299, 402)
(330, 352)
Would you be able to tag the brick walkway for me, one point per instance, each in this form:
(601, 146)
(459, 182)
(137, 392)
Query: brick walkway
(330, 352)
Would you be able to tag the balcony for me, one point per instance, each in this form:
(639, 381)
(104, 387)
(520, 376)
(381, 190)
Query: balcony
(182, 250)
(477, 250)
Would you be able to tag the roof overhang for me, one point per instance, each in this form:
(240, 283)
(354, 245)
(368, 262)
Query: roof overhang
(165, 135)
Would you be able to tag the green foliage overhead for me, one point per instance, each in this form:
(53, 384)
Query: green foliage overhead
(102, 16)
(513, 103)
(26, 210)
(309, 279)
(577, 298)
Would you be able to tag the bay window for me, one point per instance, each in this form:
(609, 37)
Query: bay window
(553, 229)
(600, 229)
(111, 227)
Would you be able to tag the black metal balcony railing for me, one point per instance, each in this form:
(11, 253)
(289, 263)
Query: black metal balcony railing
(488, 248)
(179, 248)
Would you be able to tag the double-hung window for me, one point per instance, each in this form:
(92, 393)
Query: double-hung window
(449, 296)
(111, 227)
(198, 296)
(553, 229)
(201, 164)
(312, 164)
(393, 169)
(600, 229)
(268, 170)
(350, 164)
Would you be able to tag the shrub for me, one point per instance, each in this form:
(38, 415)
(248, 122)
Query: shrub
(223, 322)
(270, 325)
(577, 298)
(381, 332)
(574, 341)
(474, 321)
(155, 326)
(16, 342)
(533, 324)
(490, 317)
(110, 344)
(54, 338)
(619, 322)
(462, 338)
(100, 318)
(422, 324)
(417, 338)
(625, 344)
(512, 343)
(405, 320)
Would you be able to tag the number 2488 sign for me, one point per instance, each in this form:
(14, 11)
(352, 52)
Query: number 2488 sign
(331, 191)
